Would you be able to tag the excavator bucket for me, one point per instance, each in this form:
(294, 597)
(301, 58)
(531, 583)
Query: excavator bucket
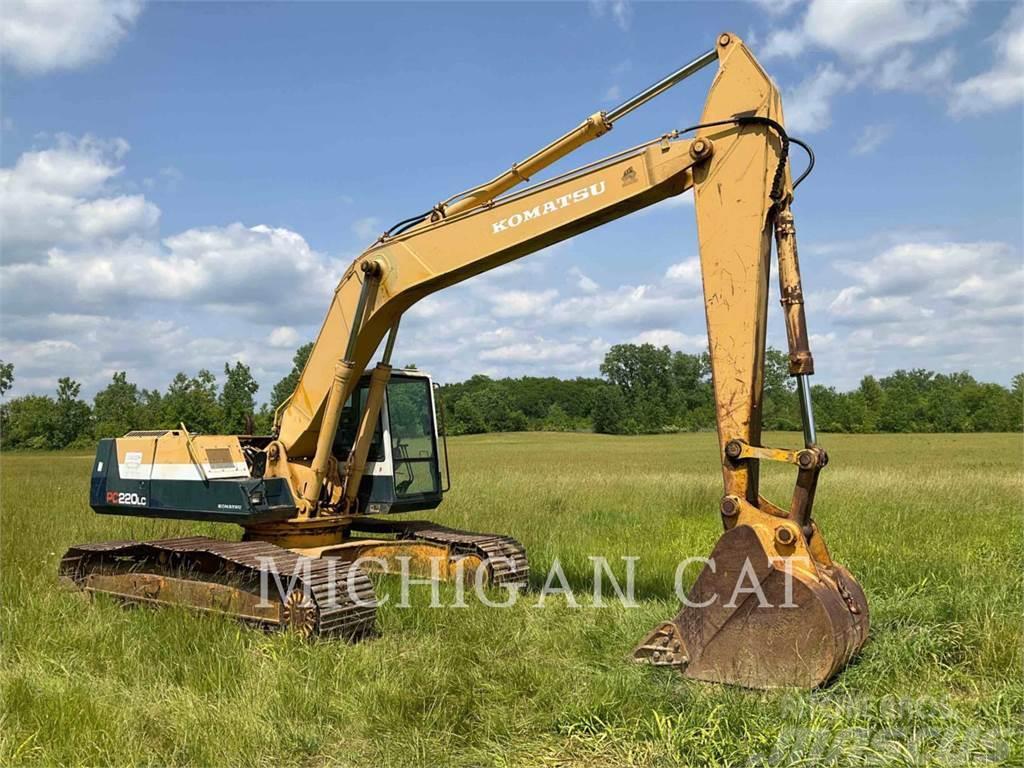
(759, 620)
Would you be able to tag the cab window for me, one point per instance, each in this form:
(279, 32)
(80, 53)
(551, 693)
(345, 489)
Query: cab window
(413, 448)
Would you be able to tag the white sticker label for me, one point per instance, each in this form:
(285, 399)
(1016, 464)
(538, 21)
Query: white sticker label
(132, 459)
(99, 467)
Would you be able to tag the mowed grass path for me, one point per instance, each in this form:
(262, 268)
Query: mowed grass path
(931, 525)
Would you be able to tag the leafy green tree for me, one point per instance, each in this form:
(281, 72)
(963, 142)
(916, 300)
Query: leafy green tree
(116, 408)
(6, 377)
(487, 408)
(641, 371)
(693, 399)
(644, 375)
(284, 388)
(557, 420)
(872, 401)
(151, 411)
(610, 411)
(264, 420)
(72, 416)
(192, 401)
(904, 401)
(781, 410)
(236, 398)
(468, 417)
(992, 408)
(30, 422)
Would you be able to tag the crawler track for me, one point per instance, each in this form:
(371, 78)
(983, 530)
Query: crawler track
(504, 556)
(307, 595)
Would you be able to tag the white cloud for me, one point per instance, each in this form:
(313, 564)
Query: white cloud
(84, 272)
(940, 305)
(254, 271)
(686, 272)
(542, 350)
(61, 195)
(903, 72)
(871, 138)
(776, 7)
(284, 337)
(808, 106)
(863, 31)
(783, 42)
(367, 228)
(583, 282)
(620, 11)
(39, 36)
(522, 303)
(1003, 85)
(612, 94)
(856, 305)
(676, 340)
(628, 306)
(914, 266)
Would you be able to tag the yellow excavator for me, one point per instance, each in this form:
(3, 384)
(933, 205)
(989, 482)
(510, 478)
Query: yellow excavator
(355, 444)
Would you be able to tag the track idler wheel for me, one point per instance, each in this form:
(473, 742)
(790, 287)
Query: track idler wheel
(760, 620)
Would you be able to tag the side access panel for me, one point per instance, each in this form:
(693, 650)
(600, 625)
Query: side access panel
(128, 478)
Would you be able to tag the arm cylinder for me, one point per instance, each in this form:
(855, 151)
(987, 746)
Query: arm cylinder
(801, 363)
(596, 125)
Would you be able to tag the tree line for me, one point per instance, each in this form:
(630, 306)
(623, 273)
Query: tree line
(646, 389)
(643, 389)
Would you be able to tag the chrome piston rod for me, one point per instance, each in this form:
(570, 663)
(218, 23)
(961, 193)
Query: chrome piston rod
(662, 85)
(803, 385)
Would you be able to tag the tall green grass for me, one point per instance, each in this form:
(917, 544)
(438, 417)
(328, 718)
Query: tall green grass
(931, 525)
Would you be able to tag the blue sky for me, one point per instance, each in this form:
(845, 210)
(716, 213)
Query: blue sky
(183, 183)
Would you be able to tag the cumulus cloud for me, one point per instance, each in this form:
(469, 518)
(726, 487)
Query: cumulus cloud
(955, 304)
(809, 105)
(1003, 85)
(877, 44)
(904, 72)
(522, 303)
(677, 340)
(284, 337)
(256, 271)
(685, 272)
(40, 36)
(85, 274)
(863, 31)
(62, 195)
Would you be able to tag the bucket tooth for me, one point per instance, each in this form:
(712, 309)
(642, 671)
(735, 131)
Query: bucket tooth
(662, 647)
(761, 621)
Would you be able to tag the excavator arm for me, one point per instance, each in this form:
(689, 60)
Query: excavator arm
(809, 615)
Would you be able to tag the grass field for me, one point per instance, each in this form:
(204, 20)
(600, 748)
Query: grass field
(931, 525)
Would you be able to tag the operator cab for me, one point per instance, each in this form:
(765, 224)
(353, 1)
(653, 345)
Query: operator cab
(407, 467)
